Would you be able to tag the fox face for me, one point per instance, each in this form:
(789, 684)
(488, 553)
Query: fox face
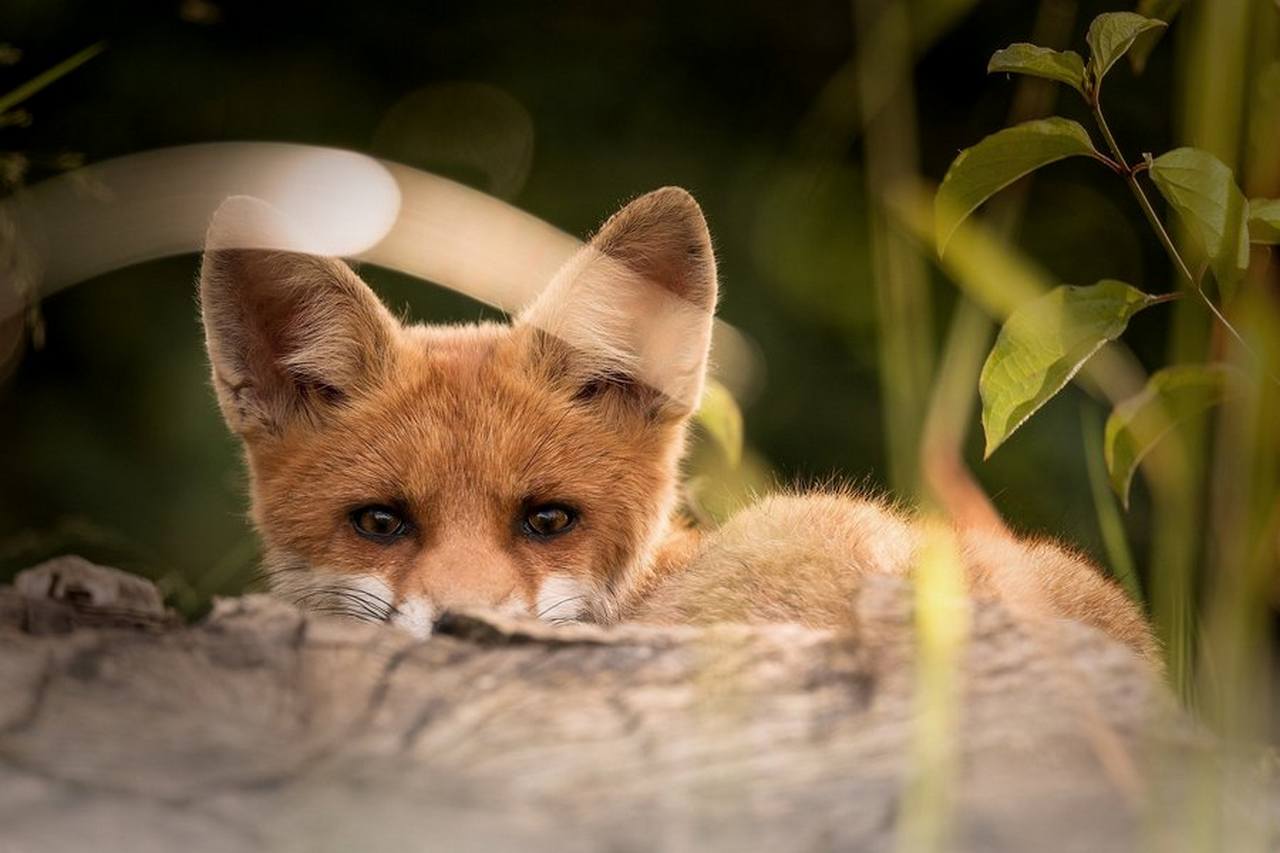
(399, 470)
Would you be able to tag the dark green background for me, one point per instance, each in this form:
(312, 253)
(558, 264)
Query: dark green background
(112, 443)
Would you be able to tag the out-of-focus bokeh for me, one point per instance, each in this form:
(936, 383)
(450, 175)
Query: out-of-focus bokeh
(770, 113)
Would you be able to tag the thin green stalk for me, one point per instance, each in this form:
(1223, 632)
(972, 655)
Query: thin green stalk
(903, 298)
(1110, 522)
(35, 84)
(1131, 178)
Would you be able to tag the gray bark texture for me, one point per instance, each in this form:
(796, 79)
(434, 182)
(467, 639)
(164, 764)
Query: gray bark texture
(264, 728)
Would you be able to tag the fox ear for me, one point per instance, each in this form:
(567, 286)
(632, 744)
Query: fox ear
(636, 304)
(289, 335)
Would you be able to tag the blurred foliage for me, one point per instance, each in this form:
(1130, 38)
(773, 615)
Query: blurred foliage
(1047, 340)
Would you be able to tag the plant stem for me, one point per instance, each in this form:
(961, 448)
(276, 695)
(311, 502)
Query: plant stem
(1109, 163)
(11, 99)
(1131, 178)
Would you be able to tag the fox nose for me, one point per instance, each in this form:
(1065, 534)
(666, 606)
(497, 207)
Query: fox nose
(417, 613)
(455, 576)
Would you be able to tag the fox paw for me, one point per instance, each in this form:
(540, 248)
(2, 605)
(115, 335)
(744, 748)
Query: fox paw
(76, 581)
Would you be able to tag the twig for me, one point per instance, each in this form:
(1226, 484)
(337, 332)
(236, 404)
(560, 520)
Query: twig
(1130, 174)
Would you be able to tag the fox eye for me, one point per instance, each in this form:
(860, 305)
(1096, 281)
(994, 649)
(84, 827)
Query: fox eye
(547, 520)
(379, 523)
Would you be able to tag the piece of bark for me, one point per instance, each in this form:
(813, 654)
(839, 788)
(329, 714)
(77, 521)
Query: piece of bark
(70, 592)
(266, 729)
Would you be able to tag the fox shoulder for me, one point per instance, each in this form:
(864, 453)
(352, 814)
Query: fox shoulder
(787, 558)
(803, 557)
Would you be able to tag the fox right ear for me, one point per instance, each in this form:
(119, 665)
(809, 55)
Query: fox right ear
(635, 306)
(289, 335)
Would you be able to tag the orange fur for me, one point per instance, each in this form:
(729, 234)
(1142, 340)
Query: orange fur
(582, 401)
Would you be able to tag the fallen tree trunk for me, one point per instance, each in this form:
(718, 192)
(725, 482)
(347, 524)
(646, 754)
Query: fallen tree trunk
(266, 729)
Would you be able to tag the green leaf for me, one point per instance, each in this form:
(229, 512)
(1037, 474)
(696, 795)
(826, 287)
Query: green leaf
(1172, 395)
(1264, 221)
(980, 172)
(1165, 10)
(1113, 33)
(720, 416)
(1203, 191)
(1043, 344)
(1065, 67)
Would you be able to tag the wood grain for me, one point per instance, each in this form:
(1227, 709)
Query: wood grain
(266, 729)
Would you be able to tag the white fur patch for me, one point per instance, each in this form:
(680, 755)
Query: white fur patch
(364, 597)
(415, 615)
(561, 598)
(373, 585)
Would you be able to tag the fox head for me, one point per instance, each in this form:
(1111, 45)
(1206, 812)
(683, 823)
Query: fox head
(400, 470)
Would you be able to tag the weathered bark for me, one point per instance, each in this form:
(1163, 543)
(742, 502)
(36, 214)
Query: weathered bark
(264, 728)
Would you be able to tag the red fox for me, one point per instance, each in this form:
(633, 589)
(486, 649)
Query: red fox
(399, 470)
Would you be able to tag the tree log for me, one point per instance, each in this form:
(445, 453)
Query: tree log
(264, 728)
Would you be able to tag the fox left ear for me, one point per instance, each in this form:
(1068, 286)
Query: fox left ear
(636, 304)
(289, 335)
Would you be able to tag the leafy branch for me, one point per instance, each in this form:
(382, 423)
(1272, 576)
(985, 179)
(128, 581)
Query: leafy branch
(1046, 341)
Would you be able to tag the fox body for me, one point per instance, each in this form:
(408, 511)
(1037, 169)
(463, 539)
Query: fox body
(400, 470)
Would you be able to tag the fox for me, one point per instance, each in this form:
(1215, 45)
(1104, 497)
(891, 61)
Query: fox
(397, 471)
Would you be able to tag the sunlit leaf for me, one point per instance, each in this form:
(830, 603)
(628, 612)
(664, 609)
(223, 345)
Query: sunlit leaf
(1113, 33)
(1043, 344)
(720, 416)
(1264, 221)
(1063, 66)
(1203, 191)
(714, 490)
(980, 172)
(1165, 10)
(1137, 425)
